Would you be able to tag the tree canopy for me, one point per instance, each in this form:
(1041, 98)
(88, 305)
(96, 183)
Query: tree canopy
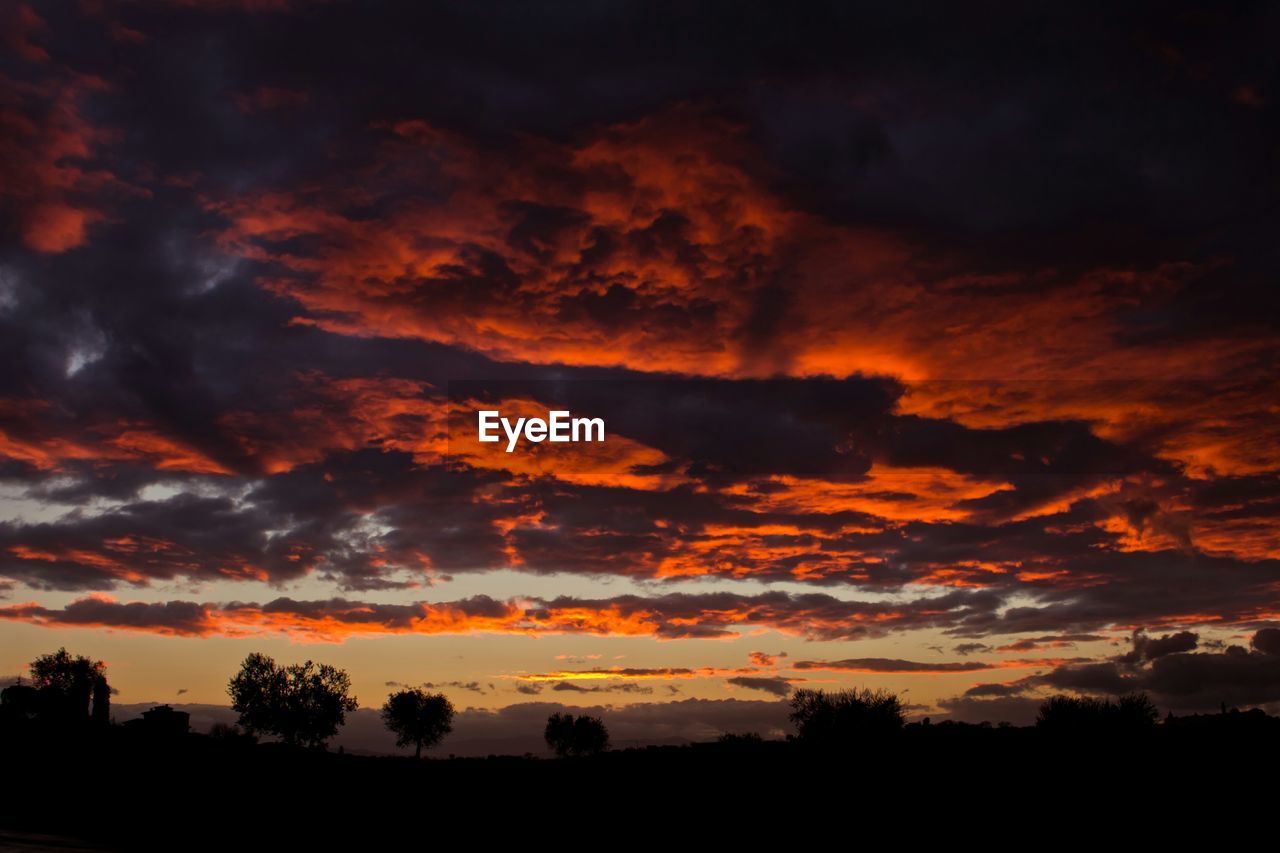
(845, 716)
(62, 671)
(302, 704)
(66, 682)
(576, 736)
(419, 719)
(1129, 714)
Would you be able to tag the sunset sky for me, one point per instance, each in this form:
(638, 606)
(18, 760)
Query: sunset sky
(937, 347)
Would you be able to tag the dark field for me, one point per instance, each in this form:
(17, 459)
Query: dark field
(127, 791)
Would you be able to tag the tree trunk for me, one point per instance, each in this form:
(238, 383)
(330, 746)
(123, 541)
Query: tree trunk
(417, 753)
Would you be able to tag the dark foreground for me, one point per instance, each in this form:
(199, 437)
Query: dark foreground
(124, 792)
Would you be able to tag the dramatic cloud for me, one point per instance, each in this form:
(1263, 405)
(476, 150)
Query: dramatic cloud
(985, 360)
(1167, 668)
(1149, 648)
(676, 616)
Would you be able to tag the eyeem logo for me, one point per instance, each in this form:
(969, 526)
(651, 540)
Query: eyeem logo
(558, 427)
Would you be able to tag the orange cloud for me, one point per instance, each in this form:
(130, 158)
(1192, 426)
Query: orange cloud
(660, 220)
(320, 415)
(616, 461)
(56, 227)
(658, 245)
(714, 616)
(895, 494)
(30, 433)
(48, 148)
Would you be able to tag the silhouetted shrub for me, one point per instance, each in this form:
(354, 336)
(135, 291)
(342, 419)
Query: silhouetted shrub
(418, 718)
(231, 735)
(1132, 713)
(301, 703)
(576, 736)
(1136, 710)
(845, 717)
(745, 739)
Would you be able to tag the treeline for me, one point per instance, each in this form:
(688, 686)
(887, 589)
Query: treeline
(301, 705)
(151, 784)
(304, 705)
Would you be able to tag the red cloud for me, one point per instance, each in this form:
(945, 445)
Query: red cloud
(49, 176)
(711, 616)
(657, 245)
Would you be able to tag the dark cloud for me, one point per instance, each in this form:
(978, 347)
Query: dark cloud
(769, 684)
(621, 687)
(1167, 668)
(677, 615)
(1267, 641)
(1050, 641)
(470, 686)
(890, 665)
(992, 323)
(173, 617)
(1149, 648)
(1018, 710)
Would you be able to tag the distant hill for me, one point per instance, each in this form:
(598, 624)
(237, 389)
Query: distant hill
(517, 729)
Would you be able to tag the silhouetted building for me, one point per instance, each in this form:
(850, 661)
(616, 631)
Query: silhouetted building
(162, 721)
(19, 702)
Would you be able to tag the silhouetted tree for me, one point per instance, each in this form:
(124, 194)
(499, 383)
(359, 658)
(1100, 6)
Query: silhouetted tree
(1137, 711)
(301, 703)
(1130, 714)
(845, 717)
(101, 702)
(576, 736)
(66, 683)
(418, 718)
(1067, 713)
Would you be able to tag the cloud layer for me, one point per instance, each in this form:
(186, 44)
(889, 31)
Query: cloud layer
(983, 352)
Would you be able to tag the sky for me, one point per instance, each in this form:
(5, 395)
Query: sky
(936, 347)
